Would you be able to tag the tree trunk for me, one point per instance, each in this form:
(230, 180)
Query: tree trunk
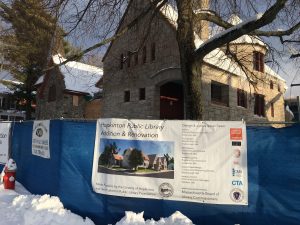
(191, 76)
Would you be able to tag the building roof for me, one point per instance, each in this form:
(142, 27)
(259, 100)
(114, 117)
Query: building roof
(4, 89)
(118, 157)
(78, 77)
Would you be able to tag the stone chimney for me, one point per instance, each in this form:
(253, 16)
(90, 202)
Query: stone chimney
(201, 26)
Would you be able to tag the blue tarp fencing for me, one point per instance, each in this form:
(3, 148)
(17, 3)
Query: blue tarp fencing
(273, 171)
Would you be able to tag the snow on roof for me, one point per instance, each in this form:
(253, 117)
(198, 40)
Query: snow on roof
(78, 77)
(170, 13)
(236, 20)
(219, 59)
(4, 89)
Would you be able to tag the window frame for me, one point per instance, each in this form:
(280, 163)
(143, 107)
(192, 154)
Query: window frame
(126, 96)
(242, 98)
(52, 93)
(121, 61)
(258, 61)
(217, 93)
(259, 105)
(153, 51)
(142, 94)
(144, 55)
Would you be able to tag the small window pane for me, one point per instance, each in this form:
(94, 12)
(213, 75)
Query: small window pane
(75, 100)
(142, 94)
(126, 96)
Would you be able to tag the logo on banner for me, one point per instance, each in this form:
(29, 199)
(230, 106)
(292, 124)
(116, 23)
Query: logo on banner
(237, 195)
(237, 183)
(39, 132)
(237, 172)
(236, 134)
(165, 190)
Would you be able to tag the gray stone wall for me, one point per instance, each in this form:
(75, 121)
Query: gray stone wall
(165, 68)
(144, 75)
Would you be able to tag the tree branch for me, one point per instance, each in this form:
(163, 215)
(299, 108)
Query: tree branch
(241, 29)
(156, 3)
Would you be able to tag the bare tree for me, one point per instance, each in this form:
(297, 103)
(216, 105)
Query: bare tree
(100, 19)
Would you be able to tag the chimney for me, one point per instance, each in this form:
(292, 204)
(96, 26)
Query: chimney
(201, 26)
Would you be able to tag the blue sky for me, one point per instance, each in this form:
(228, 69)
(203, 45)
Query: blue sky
(148, 147)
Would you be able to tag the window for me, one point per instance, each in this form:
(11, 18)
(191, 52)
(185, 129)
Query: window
(136, 58)
(219, 93)
(75, 100)
(272, 109)
(126, 96)
(52, 94)
(271, 85)
(142, 94)
(242, 98)
(153, 52)
(258, 61)
(128, 58)
(259, 107)
(121, 61)
(144, 54)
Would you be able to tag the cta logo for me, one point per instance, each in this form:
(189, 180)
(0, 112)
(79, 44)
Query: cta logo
(237, 183)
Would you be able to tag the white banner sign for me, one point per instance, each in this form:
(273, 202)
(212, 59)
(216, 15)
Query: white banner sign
(40, 138)
(4, 142)
(197, 161)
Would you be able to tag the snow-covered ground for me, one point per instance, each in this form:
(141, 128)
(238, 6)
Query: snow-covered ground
(19, 207)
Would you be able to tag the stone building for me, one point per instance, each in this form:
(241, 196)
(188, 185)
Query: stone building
(68, 91)
(142, 77)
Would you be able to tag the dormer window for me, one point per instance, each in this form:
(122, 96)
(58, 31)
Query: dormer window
(258, 61)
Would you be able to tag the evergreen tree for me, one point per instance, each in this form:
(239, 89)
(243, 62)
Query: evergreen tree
(26, 46)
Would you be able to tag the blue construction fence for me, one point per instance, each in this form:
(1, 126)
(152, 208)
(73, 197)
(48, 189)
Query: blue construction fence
(273, 171)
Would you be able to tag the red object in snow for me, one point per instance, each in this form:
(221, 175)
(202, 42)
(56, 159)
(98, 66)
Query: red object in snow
(9, 179)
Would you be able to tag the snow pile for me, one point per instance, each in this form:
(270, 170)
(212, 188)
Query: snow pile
(132, 218)
(20, 207)
(26, 209)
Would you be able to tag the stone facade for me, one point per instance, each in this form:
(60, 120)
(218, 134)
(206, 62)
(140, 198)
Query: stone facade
(62, 105)
(150, 75)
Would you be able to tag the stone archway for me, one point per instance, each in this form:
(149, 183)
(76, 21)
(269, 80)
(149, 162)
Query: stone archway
(171, 101)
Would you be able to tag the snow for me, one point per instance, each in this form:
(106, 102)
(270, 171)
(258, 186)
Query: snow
(4, 89)
(287, 108)
(170, 13)
(219, 59)
(235, 20)
(234, 27)
(78, 77)
(20, 207)
(132, 218)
